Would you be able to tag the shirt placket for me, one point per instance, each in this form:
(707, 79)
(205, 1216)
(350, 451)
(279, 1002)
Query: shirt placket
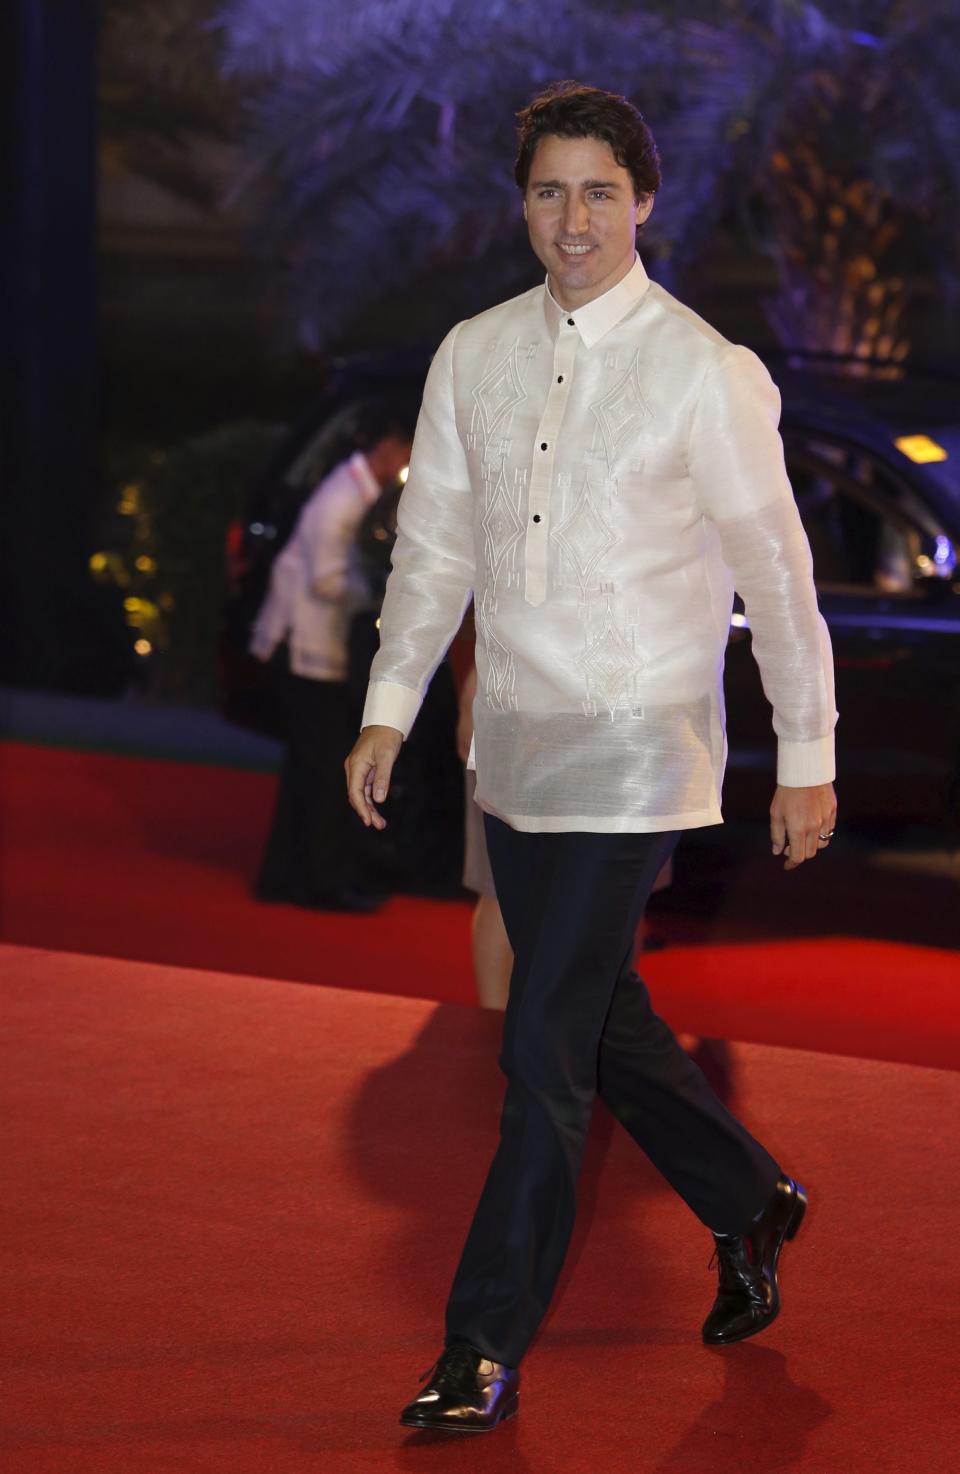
(542, 462)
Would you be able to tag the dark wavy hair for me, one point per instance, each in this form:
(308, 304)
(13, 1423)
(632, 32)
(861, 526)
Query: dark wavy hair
(571, 110)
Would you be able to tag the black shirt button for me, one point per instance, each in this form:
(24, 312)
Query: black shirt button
(559, 378)
(543, 445)
(570, 322)
(536, 516)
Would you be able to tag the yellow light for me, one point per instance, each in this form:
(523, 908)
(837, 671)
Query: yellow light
(404, 473)
(129, 504)
(142, 647)
(145, 564)
(920, 448)
(132, 606)
(98, 562)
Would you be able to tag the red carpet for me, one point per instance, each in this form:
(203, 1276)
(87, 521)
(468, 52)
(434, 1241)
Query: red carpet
(152, 860)
(232, 1209)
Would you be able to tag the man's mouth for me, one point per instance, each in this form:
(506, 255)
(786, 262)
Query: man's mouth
(570, 250)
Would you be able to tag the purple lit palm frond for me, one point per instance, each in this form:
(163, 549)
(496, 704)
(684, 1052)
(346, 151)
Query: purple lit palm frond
(379, 157)
(379, 142)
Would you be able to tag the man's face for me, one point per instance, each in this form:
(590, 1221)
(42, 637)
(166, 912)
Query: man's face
(582, 216)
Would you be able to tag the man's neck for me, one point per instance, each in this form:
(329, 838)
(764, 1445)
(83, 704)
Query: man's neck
(571, 300)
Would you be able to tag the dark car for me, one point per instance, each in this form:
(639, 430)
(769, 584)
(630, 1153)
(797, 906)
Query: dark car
(875, 466)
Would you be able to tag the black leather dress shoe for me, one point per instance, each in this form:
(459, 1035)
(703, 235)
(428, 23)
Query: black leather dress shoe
(749, 1296)
(465, 1393)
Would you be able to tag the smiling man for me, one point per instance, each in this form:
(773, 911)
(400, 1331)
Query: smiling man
(582, 215)
(599, 469)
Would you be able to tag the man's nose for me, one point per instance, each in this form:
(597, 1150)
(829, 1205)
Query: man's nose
(576, 217)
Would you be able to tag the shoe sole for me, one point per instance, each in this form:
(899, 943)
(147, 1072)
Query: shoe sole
(790, 1232)
(423, 1426)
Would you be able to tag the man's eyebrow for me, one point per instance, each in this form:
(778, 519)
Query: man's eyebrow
(587, 184)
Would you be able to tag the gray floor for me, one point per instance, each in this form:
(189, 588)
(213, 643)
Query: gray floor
(132, 726)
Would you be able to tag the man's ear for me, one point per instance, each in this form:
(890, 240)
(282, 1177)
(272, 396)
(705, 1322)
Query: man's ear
(524, 209)
(644, 206)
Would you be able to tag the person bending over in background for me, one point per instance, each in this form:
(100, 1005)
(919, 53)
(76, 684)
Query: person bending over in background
(312, 855)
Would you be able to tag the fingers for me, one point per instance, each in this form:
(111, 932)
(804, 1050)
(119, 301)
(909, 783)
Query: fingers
(359, 792)
(826, 828)
(368, 783)
(798, 819)
(803, 844)
(368, 768)
(806, 844)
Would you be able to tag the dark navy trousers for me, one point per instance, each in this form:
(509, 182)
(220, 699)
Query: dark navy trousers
(579, 1023)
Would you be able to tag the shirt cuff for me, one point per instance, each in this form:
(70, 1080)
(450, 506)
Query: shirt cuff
(806, 764)
(389, 705)
(262, 644)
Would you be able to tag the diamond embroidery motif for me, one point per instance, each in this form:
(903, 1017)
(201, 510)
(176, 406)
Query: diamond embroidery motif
(584, 536)
(501, 680)
(501, 527)
(502, 673)
(610, 663)
(622, 411)
(499, 392)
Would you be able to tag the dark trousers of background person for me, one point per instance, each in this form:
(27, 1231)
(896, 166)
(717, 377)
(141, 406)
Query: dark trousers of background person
(579, 1023)
(312, 849)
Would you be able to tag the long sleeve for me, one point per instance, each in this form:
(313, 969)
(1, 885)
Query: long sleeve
(433, 570)
(736, 461)
(275, 614)
(334, 520)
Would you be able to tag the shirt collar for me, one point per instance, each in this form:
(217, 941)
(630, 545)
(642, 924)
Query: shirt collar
(596, 318)
(364, 477)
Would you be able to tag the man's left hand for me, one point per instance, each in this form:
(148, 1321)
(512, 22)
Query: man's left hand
(802, 821)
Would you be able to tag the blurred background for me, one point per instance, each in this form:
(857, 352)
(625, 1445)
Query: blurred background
(229, 224)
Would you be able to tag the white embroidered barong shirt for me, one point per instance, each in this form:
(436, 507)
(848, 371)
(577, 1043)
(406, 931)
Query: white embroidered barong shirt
(601, 480)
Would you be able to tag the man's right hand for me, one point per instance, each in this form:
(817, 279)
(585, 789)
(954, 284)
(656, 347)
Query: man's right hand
(368, 769)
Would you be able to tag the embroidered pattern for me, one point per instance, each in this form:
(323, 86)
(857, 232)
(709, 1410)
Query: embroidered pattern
(610, 663)
(502, 527)
(500, 687)
(621, 411)
(499, 392)
(585, 537)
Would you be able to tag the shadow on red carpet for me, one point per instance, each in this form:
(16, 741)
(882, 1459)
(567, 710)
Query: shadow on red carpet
(233, 1210)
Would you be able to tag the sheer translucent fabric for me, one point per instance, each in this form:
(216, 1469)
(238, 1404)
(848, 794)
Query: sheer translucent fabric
(600, 481)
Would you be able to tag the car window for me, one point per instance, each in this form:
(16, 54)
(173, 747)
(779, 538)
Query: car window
(860, 540)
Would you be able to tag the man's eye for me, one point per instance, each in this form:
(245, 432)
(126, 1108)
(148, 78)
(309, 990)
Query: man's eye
(547, 194)
(600, 194)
